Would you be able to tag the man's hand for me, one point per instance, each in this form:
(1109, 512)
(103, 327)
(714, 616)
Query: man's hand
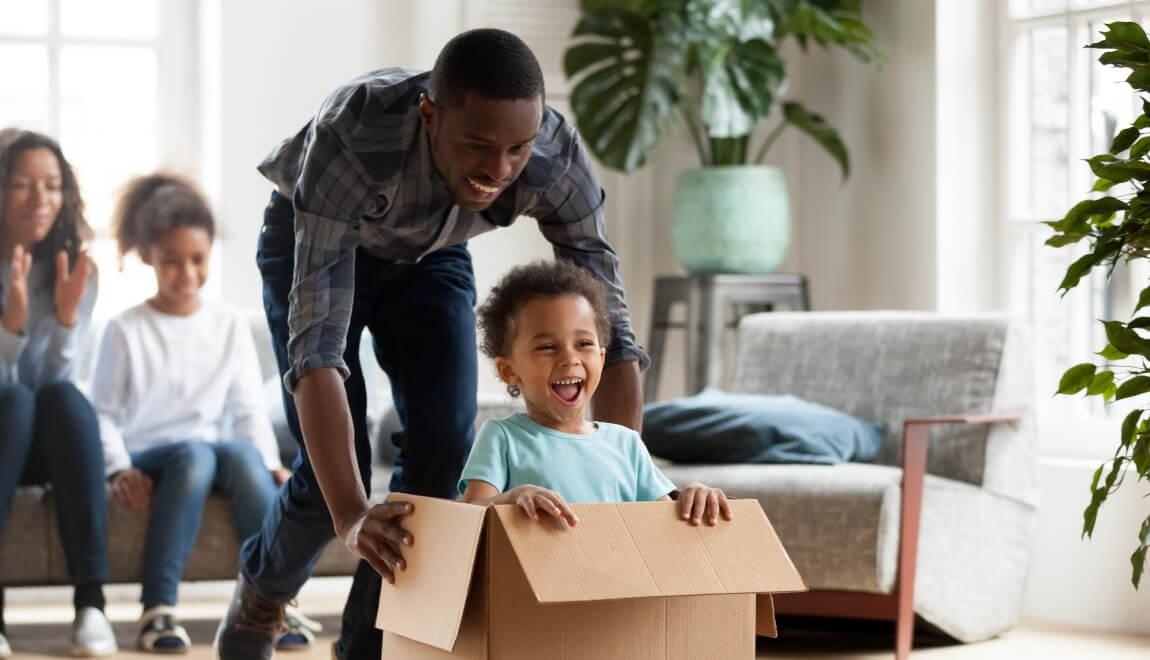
(533, 499)
(698, 502)
(377, 537)
(619, 399)
(132, 488)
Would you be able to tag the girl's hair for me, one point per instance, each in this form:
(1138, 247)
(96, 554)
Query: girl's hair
(539, 279)
(70, 230)
(150, 206)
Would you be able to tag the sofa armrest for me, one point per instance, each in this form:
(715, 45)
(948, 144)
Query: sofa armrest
(915, 441)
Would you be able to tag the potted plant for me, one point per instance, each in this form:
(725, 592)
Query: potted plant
(1117, 227)
(643, 67)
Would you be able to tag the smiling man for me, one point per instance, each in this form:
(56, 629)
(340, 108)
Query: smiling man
(375, 199)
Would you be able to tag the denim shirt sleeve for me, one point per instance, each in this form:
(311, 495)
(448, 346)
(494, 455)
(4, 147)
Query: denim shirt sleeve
(64, 343)
(570, 216)
(329, 205)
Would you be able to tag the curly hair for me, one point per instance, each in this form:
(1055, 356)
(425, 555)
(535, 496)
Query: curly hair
(70, 230)
(150, 206)
(493, 63)
(538, 279)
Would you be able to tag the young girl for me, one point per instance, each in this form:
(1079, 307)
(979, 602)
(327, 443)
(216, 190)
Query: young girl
(48, 431)
(177, 389)
(543, 326)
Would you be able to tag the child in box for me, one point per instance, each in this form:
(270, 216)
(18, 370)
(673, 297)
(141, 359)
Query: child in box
(178, 392)
(543, 326)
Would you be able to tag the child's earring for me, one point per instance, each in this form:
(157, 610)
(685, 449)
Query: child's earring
(513, 390)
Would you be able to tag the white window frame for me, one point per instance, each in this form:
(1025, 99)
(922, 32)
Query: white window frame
(179, 107)
(1068, 428)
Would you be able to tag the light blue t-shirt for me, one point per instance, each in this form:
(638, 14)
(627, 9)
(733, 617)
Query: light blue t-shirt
(609, 465)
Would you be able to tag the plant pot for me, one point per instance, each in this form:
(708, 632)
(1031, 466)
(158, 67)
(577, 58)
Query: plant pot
(731, 219)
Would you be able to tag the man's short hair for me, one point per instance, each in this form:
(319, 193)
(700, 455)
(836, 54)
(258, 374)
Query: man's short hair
(494, 64)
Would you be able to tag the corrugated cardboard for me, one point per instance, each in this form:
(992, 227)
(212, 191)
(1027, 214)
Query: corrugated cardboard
(630, 581)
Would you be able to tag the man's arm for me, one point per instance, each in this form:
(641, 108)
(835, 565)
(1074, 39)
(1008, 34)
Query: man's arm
(619, 399)
(328, 205)
(570, 216)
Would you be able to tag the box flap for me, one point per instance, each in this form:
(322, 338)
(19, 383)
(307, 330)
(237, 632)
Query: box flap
(427, 601)
(638, 550)
(765, 616)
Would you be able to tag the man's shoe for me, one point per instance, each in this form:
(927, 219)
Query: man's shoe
(92, 634)
(251, 626)
(161, 632)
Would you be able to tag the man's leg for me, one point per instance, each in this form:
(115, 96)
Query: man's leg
(297, 527)
(277, 560)
(424, 331)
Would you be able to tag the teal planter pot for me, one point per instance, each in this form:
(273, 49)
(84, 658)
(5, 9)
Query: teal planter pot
(731, 219)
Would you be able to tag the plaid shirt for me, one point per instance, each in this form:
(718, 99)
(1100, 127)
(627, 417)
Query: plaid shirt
(360, 174)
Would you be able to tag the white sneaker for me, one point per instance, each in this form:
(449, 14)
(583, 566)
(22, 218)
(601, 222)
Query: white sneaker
(92, 634)
(5, 650)
(161, 632)
(298, 632)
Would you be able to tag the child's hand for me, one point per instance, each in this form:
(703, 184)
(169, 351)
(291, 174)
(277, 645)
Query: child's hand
(132, 488)
(697, 502)
(533, 499)
(281, 476)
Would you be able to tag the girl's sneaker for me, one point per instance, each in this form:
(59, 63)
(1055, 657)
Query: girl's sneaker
(5, 650)
(161, 633)
(299, 631)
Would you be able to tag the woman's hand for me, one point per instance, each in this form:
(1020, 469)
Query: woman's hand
(698, 501)
(70, 284)
(16, 298)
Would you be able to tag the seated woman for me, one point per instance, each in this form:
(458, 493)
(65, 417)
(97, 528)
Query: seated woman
(48, 431)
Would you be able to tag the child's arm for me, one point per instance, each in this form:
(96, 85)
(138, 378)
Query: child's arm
(532, 499)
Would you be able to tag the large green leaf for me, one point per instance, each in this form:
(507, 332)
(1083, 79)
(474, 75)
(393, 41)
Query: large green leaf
(628, 85)
(739, 82)
(823, 133)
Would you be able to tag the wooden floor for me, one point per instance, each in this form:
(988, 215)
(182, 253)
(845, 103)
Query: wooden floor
(38, 626)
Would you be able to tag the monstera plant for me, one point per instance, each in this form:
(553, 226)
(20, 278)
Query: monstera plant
(713, 68)
(1116, 226)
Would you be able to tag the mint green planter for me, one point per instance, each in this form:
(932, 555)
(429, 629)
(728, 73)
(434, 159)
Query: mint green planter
(731, 219)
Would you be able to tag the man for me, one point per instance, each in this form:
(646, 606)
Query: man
(375, 200)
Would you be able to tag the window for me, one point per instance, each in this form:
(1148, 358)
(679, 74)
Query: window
(115, 82)
(1062, 107)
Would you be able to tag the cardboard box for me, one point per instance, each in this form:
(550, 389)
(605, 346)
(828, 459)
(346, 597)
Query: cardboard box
(630, 581)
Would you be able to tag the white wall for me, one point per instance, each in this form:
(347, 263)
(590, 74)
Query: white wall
(274, 63)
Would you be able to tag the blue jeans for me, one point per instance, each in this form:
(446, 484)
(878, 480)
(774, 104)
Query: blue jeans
(184, 474)
(51, 436)
(422, 321)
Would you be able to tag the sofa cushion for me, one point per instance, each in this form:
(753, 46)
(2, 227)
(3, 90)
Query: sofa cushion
(719, 427)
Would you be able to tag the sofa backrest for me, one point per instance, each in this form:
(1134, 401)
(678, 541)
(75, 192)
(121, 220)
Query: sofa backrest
(891, 366)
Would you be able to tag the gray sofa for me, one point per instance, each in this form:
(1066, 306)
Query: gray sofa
(30, 550)
(841, 524)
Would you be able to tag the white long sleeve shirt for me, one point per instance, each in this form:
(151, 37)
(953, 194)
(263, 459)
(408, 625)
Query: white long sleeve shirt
(161, 378)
